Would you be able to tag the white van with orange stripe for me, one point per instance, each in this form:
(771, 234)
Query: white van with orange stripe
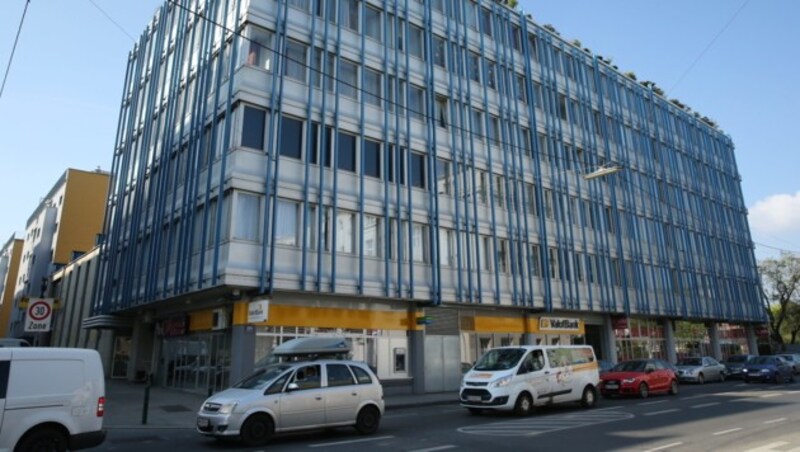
(520, 378)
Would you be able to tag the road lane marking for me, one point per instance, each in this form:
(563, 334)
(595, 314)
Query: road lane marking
(665, 446)
(653, 413)
(746, 399)
(741, 385)
(725, 432)
(793, 392)
(768, 447)
(431, 449)
(703, 405)
(614, 407)
(772, 421)
(354, 441)
(546, 424)
(696, 397)
(652, 403)
(774, 394)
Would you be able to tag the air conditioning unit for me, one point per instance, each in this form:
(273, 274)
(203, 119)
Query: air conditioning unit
(220, 319)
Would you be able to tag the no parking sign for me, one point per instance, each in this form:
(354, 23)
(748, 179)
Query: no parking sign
(38, 315)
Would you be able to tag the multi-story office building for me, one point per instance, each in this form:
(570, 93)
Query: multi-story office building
(63, 226)
(409, 174)
(10, 256)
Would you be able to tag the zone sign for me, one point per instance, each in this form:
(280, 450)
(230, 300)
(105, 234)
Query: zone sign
(38, 315)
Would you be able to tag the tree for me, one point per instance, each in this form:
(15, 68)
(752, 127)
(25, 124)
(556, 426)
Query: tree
(781, 280)
(791, 327)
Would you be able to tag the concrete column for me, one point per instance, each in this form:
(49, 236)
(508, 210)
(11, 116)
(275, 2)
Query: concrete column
(609, 341)
(752, 340)
(669, 341)
(243, 351)
(528, 338)
(713, 333)
(141, 349)
(416, 348)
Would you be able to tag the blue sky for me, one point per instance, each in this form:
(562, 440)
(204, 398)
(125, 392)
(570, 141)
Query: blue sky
(61, 100)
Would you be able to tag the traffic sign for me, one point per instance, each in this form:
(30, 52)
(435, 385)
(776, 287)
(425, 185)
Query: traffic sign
(38, 315)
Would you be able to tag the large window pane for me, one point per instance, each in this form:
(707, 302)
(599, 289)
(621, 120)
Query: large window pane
(348, 82)
(372, 87)
(345, 237)
(442, 177)
(372, 158)
(439, 55)
(295, 66)
(417, 170)
(416, 106)
(415, 46)
(291, 137)
(260, 49)
(247, 218)
(372, 23)
(286, 223)
(253, 127)
(419, 242)
(347, 152)
(372, 236)
(348, 13)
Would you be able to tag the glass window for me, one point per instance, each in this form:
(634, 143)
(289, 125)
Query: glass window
(494, 130)
(372, 158)
(327, 72)
(474, 67)
(253, 127)
(372, 236)
(347, 152)
(439, 55)
(247, 219)
(477, 124)
(522, 89)
(498, 191)
(339, 375)
(330, 9)
(486, 251)
(372, 87)
(486, 22)
(372, 23)
(259, 51)
(536, 261)
(305, 5)
(308, 377)
(417, 170)
(295, 61)
(491, 74)
(291, 137)
(443, 177)
(446, 247)
(361, 375)
(483, 187)
(502, 255)
(415, 46)
(348, 78)
(345, 232)
(441, 111)
(419, 242)
(286, 223)
(416, 106)
(348, 13)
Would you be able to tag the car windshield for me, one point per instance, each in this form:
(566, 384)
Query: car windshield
(261, 378)
(630, 366)
(738, 359)
(690, 362)
(787, 357)
(762, 360)
(500, 359)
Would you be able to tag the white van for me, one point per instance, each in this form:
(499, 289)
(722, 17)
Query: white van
(519, 378)
(51, 399)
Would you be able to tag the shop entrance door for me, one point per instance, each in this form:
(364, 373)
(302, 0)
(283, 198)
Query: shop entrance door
(198, 363)
(594, 337)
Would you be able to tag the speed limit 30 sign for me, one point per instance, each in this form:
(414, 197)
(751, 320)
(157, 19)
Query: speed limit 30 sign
(38, 315)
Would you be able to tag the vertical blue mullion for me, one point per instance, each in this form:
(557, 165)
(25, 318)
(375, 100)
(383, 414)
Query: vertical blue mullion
(138, 220)
(432, 174)
(213, 151)
(458, 164)
(468, 138)
(506, 146)
(523, 237)
(226, 143)
(323, 147)
(488, 148)
(584, 98)
(335, 161)
(596, 200)
(410, 203)
(102, 291)
(362, 66)
(387, 245)
(398, 161)
(536, 161)
(157, 184)
(305, 245)
(573, 302)
(271, 145)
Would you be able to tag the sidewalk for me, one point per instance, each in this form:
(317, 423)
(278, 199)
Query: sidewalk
(171, 408)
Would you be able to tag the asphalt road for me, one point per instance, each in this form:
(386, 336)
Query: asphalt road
(730, 416)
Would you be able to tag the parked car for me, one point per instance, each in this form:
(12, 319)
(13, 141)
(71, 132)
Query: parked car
(793, 359)
(768, 368)
(640, 377)
(519, 378)
(735, 364)
(13, 342)
(51, 399)
(700, 370)
(293, 396)
(604, 366)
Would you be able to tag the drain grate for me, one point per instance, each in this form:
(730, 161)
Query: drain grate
(174, 408)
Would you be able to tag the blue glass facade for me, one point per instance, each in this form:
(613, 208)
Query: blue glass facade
(405, 150)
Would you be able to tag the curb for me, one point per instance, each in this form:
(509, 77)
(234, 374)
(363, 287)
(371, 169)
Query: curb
(403, 406)
(146, 427)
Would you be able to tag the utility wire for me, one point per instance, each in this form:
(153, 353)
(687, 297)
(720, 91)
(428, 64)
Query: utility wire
(428, 117)
(112, 20)
(14, 48)
(711, 43)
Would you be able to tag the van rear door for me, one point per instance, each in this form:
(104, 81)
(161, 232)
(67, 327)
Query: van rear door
(5, 366)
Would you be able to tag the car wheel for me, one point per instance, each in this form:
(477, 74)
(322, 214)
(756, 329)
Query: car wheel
(43, 438)
(257, 430)
(524, 405)
(673, 387)
(475, 411)
(368, 420)
(589, 398)
(791, 378)
(700, 379)
(644, 390)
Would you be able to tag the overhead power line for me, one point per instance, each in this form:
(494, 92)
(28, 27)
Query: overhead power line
(14, 48)
(111, 19)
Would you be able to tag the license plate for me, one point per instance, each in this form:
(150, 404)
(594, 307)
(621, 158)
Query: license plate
(611, 386)
(474, 398)
(202, 422)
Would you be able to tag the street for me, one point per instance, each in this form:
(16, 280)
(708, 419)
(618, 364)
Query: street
(730, 416)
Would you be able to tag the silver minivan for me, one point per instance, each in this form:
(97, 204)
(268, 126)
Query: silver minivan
(292, 396)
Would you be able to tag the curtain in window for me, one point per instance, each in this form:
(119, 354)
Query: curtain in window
(286, 223)
(247, 218)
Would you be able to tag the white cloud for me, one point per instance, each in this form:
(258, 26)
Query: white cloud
(777, 214)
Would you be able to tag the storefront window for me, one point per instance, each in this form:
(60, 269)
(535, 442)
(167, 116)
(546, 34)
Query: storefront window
(640, 339)
(691, 339)
(196, 362)
(732, 340)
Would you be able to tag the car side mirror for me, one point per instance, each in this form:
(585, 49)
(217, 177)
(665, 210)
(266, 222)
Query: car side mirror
(292, 387)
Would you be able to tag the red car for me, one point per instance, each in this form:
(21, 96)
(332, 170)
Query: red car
(640, 377)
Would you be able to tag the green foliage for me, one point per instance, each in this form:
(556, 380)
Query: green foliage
(781, 282)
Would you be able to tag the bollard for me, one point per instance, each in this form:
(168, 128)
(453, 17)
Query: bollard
(146, 402)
